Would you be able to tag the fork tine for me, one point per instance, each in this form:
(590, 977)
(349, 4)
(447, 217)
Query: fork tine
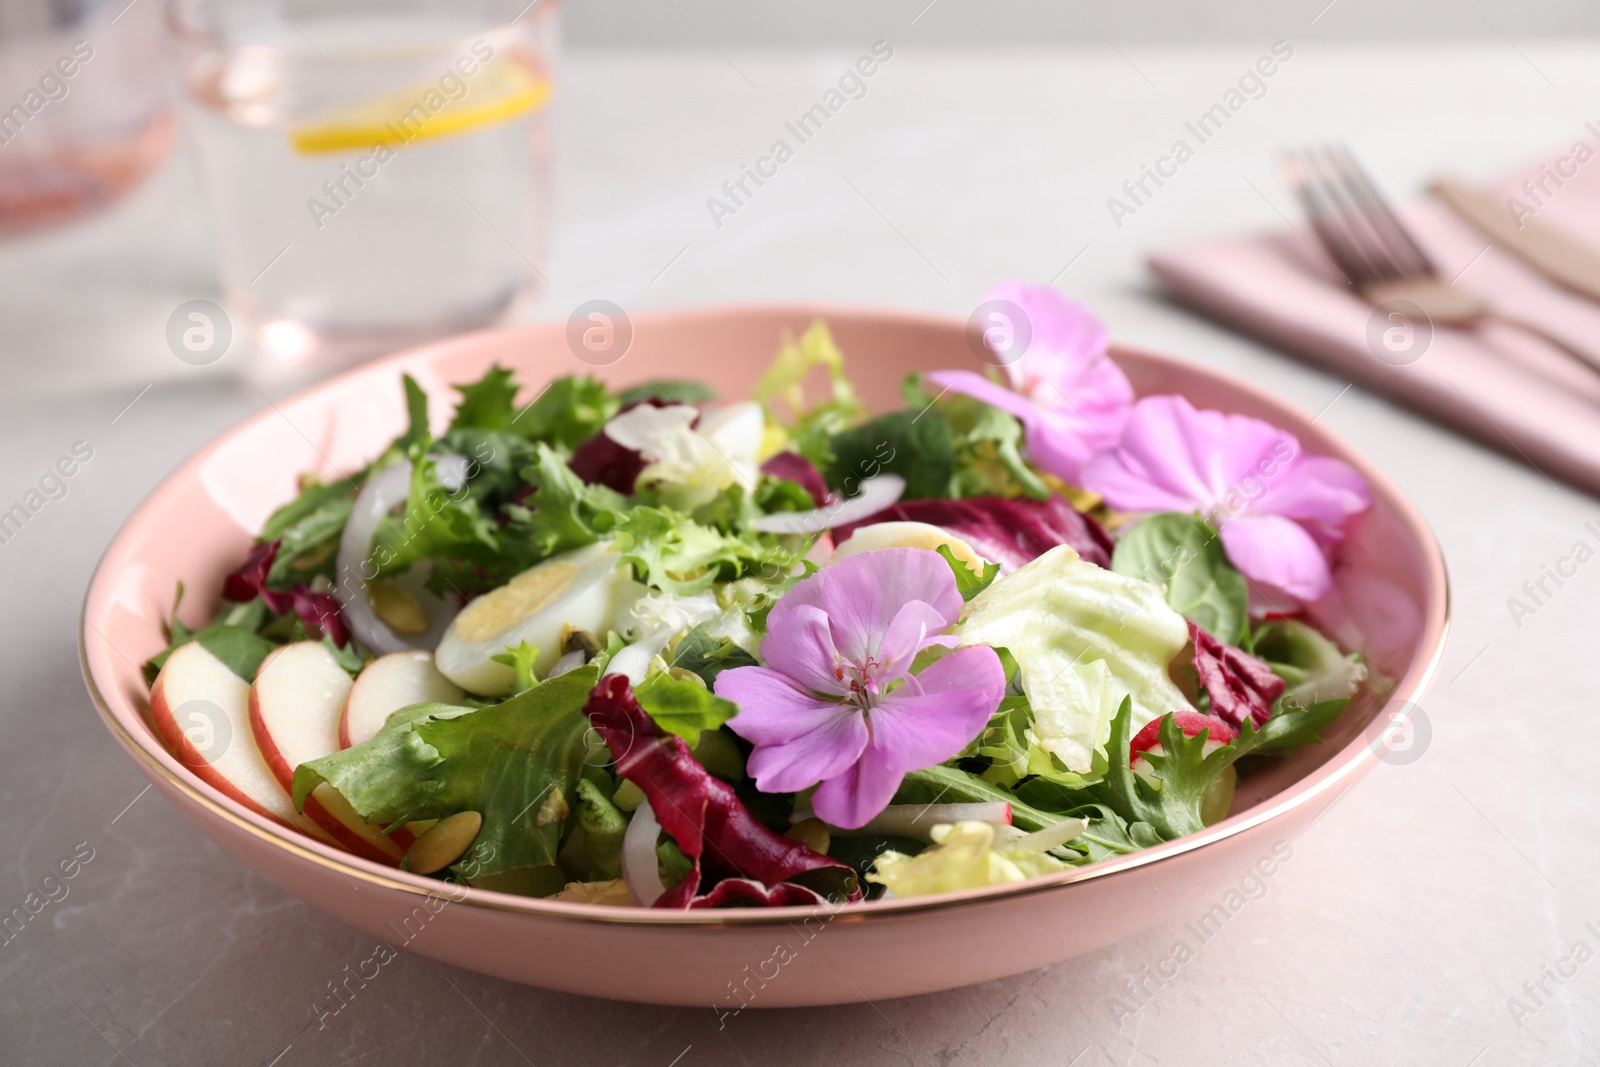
(1356, 223)
(1404, 250)
(1329, 223)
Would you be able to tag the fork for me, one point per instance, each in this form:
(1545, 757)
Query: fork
(1382, 261)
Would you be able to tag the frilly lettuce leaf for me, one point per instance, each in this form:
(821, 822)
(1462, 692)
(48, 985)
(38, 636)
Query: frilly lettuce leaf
(1084, 639)
(683, 706)
(1310, 663)
(964, 856)
(809, 426)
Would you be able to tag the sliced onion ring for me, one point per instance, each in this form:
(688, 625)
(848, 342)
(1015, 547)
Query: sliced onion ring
(385, 489)
(639, 864)
(876, 493)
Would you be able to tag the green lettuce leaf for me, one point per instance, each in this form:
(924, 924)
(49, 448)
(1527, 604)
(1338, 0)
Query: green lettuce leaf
(969, 582)
(783, 384)
(964, 856)
(1183, 772)
(517, 763)
(1184, 554)
(683, 706)
(416, 415)
(915, 445)
(433, 522)
(488, 403)
(674, 392)
(569, 412)
(709, 656)
(673, 553)
(1083, 638)
(1312, 665)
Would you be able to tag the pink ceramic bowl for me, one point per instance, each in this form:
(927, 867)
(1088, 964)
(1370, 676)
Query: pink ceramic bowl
(1390, 602)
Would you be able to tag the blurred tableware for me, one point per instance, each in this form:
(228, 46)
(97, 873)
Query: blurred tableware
(375, 174)
(1375, 253)
(1546, 249)
(82, 119)
(1500, 385)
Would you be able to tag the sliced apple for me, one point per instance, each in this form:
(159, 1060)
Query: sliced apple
(201, 710)
(295, 706)
(907, 535)
(388, 684)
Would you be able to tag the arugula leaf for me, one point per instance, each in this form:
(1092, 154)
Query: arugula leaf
(672, 391)
(683, 707)
(1108, 835)
(951, 785)
(231, 636)
(916, 446)
(518, 763)
(709, 656)
(569, 412)
(1184, 553)
(1184, 773)
(308, 529)
(969, 582)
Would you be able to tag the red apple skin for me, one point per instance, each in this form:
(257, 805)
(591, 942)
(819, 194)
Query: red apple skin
(166, 724)
(1190, 722)
(314, 808)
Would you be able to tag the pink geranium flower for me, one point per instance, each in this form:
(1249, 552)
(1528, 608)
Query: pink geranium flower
(1275, 506)
(837, 703)
(1069, 396)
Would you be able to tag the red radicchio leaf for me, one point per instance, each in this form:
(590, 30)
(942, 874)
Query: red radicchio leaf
(602, 461)
(246, 581)
(793, 467)
(739, 860)
(1004, 530)
(1238, 684)
(318, 612)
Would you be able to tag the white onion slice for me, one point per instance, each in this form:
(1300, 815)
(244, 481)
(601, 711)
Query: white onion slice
(876, 493)
(639, 865)
(377, 498)
(567, 663)
(918, 820)
(451, 469)
(1058, 833)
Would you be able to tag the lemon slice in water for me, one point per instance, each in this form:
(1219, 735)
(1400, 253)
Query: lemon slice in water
(498, 92)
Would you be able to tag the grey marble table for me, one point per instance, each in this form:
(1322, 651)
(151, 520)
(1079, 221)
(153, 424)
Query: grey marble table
(1433, 917)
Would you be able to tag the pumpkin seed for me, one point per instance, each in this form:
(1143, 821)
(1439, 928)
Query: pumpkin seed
(397, 607)
(575, 640)
(813, 833)
(447, 842)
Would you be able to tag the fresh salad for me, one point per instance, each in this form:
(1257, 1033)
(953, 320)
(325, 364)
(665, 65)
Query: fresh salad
(658, 647)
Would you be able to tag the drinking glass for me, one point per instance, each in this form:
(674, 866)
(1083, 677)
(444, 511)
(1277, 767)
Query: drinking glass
(82, 119)
(376, 171)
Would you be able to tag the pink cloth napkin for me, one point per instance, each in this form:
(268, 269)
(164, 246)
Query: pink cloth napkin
(1495, 383)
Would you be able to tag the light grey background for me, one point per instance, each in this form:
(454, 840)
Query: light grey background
(1035, 22)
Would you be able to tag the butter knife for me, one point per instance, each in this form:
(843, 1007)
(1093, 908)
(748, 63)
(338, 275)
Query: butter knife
(1552, 253)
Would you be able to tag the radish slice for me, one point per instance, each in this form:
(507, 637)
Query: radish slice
(639, 868)
(377, 498)
(918, 820)
(876, 494)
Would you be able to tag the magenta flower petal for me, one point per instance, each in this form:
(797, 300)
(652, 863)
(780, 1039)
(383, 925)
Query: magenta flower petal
(854, 797)
(836, 704)
(824, 752)
(1278, 553)
(1063, 425)
(1063, 334)
(1318, 489)
(937, 712)
(805, 650)
(863, 594)
(773, 708)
